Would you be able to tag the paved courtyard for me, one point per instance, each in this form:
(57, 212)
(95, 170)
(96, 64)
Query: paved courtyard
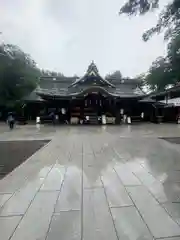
(94, 183)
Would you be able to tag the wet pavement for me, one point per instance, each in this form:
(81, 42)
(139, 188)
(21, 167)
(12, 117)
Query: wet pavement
(100, 183)
(14, 153)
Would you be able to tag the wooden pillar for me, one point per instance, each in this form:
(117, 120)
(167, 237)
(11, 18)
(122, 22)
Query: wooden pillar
(118, 114)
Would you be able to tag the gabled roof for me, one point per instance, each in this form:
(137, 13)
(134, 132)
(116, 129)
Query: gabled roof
(92, 77)
(62, 87)
(79, 92)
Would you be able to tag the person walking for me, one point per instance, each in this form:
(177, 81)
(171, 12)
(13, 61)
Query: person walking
(11, 121)
(53, 117)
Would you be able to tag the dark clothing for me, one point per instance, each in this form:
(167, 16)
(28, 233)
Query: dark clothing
(53, 117)
(11, 121)
(11, 124)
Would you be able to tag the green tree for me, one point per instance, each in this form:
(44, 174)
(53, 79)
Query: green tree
(165, 71)
(173, 55)
(117, 74)
(169, 18)
(18, 74)
(158, 76)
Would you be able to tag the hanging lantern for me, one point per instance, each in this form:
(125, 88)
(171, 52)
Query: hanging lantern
(122, 111)
(142, 115)
(63, 111)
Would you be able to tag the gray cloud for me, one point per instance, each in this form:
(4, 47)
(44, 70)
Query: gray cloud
(66, 35)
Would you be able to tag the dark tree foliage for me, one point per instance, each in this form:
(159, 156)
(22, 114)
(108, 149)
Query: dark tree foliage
(169, 18)
(165, 71)
(18, 74)
(117, 74)
(47, 73)
(158, 76)
(173, 55)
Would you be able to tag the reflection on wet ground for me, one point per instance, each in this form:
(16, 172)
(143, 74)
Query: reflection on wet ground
(120, 182)
(172, 140)
(14, 153)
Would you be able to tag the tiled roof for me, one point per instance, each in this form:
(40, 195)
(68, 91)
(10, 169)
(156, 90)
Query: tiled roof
(62, 86)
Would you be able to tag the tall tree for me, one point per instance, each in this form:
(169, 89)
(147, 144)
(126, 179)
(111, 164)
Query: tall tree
(117, 74)
(165, 71)
(159, 74)
(18, 74)
(173, 54)
(169, 18)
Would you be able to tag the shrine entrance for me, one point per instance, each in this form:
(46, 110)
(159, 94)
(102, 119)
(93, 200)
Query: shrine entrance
(93, 108)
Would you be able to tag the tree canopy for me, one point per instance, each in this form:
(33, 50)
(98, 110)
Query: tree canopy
(165, 71)
(18, 74)
(47, 73)
(117, 74)
(169, 17)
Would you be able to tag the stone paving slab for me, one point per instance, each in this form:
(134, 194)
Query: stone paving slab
(174, 210)
(70, 197)
(116, 193)
(14, 153)
(175, 140)
(20, 201)
(66, 226)
(54, 179)
(94, 183)
(155, 216)
(173, 238)
(130, 225)
(35, 222)
(4, 198)
(127, 177)
(8, 226)
(97, 220)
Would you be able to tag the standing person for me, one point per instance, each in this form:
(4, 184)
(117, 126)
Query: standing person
(178, 117)
(11, 121)
(53, 117)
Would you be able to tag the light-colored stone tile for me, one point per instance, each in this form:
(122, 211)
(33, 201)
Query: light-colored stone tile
(129, 224)
(35, 223)
(11, 183)
(4, 198)
(173, 238)
(21, 200)
(54, 179)
(43, 171)
(134, 150)
(36, 168)
(171, 176)
(89, 161)
(65, 226)
(70, 196)
(159, 222)
(97, 221)
(167, 192)
(126, 176)
(7, 226)
(87, 148)
(91, 177)
(174, 210)
(115, 191)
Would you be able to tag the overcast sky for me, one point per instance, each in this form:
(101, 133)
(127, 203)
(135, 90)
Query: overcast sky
(66, 35)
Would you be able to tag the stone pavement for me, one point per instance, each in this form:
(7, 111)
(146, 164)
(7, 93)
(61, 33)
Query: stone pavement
(94, 183)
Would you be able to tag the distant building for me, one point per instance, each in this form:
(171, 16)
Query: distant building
(171, 100)
(90, 97)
